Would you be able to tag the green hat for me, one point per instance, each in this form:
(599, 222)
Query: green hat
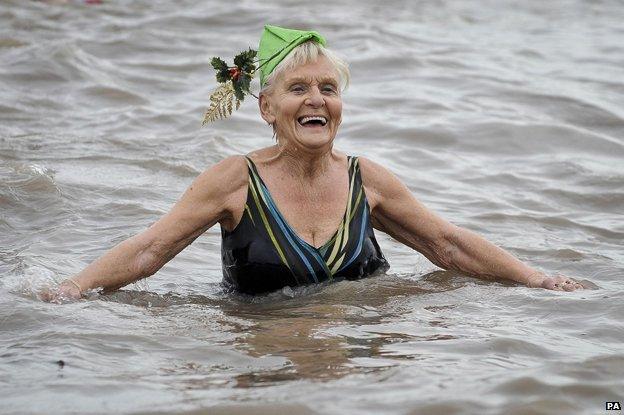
(277, 42)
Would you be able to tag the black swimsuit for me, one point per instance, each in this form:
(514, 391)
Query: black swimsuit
(263, 253)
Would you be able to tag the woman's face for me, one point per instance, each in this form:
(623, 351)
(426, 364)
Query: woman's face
(305, 105)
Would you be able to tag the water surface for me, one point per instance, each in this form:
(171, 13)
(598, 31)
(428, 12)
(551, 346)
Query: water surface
(504, 118)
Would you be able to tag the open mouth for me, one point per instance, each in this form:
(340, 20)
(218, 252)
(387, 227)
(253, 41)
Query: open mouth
(312, 121)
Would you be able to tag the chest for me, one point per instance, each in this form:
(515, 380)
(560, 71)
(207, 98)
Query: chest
(313, 211)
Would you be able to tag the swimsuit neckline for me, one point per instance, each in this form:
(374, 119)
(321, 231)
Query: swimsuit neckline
(323, 247)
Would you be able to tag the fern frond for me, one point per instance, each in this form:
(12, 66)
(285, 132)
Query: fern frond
(221, 103)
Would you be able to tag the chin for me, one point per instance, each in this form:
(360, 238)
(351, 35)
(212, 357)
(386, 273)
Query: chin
(315, 139)
(316, 142)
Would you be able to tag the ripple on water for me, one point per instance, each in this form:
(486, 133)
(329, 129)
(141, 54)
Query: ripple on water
(97, 95)
(27, 179)
(503, 138)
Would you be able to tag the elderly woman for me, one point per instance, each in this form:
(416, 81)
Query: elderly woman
(300, 211)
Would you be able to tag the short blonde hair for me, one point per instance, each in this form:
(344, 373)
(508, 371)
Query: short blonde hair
(305, 53)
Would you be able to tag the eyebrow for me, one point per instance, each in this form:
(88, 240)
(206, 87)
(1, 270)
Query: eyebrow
(325, 80)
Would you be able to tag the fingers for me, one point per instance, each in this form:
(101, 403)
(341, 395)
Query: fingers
(563, 283)
(70, 293)
(566, 284)
(59, 295)
(46, 295)
(571, 284)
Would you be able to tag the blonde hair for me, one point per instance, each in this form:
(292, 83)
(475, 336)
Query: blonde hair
(305, 53)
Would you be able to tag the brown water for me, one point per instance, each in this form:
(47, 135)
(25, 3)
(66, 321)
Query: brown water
(504, 117)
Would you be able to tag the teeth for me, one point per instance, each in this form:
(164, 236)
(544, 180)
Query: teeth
(304, 120)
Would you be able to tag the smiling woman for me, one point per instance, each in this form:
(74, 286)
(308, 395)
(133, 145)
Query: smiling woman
(304, 104)
(300, 211)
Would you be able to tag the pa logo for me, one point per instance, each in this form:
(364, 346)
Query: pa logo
(613, 406)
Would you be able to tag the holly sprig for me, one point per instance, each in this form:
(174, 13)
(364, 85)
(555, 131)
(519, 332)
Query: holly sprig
(235, 83)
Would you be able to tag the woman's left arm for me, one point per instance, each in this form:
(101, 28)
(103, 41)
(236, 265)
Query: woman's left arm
(395, 211)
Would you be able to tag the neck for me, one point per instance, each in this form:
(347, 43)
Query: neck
(303, 163)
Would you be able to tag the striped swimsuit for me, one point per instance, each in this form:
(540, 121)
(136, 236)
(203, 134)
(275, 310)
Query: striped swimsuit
(263, 253)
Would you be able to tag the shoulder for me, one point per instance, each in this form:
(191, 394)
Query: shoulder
(233, 168)
(224, 176)
(222, 187)
(380, 184)
(222, 184)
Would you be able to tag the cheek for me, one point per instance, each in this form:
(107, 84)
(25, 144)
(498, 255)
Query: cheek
(287, 108)
(336, 110)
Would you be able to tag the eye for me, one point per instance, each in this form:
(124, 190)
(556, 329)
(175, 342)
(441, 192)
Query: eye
(297, 88)
(329, 88)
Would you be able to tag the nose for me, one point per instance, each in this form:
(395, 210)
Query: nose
(315, 98)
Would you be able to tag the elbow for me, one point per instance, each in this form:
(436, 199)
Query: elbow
(444, 251)
(144, 265)
(459, 251)
(444, 256)
(147, 259)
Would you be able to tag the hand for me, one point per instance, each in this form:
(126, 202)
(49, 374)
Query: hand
(556, 283)
(65, 292)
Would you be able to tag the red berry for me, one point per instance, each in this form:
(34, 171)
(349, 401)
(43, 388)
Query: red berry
(235, 73)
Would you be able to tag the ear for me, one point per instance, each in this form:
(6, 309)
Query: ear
(266, 109)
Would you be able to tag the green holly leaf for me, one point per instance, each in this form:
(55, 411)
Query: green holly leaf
(223, 73)
(245, 60)
(238, 91)
(244, 81)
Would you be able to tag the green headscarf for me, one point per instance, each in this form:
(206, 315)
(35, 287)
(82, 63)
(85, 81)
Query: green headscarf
(277, 42)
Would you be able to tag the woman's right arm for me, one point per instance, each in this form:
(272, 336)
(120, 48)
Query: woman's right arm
(396, 211)
(215, 196)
